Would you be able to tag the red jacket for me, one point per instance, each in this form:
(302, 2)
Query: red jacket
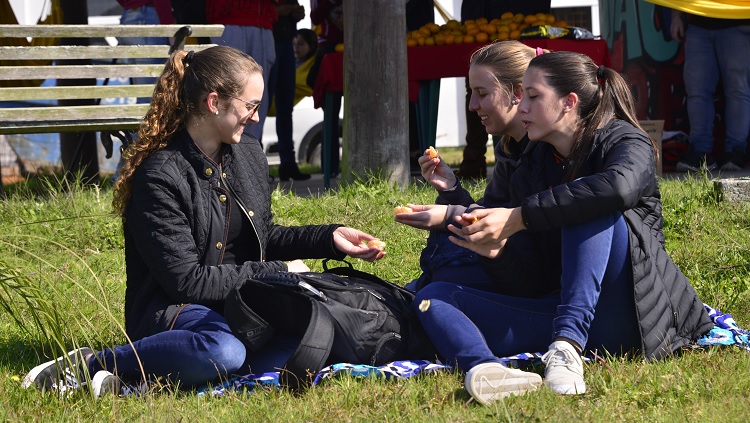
(261, 13)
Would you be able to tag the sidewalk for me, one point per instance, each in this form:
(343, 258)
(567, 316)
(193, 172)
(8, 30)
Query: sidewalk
(314, 185)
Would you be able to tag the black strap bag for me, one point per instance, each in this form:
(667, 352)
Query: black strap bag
(341, 315)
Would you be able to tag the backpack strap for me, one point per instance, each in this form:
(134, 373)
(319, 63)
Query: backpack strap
(313, 350)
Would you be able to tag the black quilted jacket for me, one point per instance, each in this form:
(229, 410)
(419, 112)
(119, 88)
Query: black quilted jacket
(620, 177)
(176, 227)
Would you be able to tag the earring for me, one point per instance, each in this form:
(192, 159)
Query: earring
(216, 112)
(514, 101)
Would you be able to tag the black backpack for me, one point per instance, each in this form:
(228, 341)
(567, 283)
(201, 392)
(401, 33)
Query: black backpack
(341, 315)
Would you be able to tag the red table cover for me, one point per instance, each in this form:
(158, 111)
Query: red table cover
(435, 62)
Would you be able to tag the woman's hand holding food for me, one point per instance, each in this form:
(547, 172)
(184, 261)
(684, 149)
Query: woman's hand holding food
(358, 244)
(488, 226)
(297, 266)
(435, 172)
(423, 216)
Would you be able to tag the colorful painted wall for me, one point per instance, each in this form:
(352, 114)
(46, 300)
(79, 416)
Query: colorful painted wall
(642, 49)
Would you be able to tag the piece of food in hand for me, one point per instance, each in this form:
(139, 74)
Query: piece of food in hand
(402, 209)
(376, 243)
(424, 306)
(432, 152)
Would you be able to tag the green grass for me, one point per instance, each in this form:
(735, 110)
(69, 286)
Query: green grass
(61, 260)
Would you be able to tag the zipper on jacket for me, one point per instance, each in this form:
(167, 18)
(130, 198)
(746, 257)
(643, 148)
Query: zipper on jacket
(244, 210)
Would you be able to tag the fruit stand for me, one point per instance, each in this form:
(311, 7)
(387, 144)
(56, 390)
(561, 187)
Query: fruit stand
(426, 66)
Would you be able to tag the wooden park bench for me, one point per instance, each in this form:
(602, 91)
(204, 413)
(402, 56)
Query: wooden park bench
(22, 69)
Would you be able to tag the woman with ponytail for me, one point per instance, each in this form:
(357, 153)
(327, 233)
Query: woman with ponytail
(196, 210)
(620, 292)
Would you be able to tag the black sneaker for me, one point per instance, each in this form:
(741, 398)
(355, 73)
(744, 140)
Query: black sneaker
(735, 160)
(105, 383)
(696, 162)
(65, 371)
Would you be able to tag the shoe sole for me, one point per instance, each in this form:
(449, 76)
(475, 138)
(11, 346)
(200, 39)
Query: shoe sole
(573, 389)
(490, 382)
(105, 383)
(37, 372)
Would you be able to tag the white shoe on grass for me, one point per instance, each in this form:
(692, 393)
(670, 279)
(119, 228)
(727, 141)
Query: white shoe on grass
(564, 372)
(105, 383)
(489, 382)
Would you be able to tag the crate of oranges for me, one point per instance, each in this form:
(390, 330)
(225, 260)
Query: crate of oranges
(507, 27)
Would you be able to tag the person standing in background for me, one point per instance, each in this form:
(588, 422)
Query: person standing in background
(305, 45)
(281, 86)
(715, 49)
(248, 26)
(328, 15)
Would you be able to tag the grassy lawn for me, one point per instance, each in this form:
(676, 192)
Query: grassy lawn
(61, 260)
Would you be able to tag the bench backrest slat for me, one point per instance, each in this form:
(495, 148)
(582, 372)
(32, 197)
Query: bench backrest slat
(88, 52)
(79, 71)
(75, 92)
(28, 116)
(101, 31)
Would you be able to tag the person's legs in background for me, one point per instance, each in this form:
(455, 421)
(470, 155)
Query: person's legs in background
(281, 90)
(259, 44)
(732, 49)
(474, 163)
(701, 74)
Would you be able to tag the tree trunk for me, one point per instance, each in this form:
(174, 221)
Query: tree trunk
(77, 149)
(376, 105)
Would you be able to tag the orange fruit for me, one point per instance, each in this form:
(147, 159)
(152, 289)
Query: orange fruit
(502, 36)
(541, 16)
(433, 27)
(473, 30)
(468, 39)
(420, 41)
(440, 38)
(515, 34)
(518, 18)
(339, 48)
(482, 21)
(411, 42)
(425, 31)
(561, 24)
(550, 18)
(450, 39)
(429, 41)
(470, 22)
(482, 37)
(506, 15)
(529, 19)
(489, 29)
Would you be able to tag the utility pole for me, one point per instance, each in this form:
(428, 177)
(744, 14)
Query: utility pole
(376, 114)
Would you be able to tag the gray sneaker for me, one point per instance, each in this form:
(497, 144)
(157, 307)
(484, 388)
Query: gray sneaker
(489, 382)
(66, 371)
(105, 383)
(564, 372)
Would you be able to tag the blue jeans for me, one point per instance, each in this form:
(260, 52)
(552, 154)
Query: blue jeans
(258, 43)
(199, 348)
(710, 55)
(281, 87)
(595, 307)
(144, 15)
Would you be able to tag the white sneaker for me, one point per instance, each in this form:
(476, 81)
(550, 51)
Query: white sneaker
(488, 382)
(105, 383)
(564, 372)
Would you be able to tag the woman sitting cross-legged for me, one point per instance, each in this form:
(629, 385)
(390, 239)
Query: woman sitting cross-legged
(196, 209)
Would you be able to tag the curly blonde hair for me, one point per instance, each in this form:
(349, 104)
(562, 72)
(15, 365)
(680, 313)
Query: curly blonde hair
(187, 79)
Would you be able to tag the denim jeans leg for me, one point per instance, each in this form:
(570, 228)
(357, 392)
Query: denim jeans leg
(701, 74)
(596, 286)
(258, 43)
(442, 260)
(199, 348)
(469, 327)
(284, 100)
(732, 50)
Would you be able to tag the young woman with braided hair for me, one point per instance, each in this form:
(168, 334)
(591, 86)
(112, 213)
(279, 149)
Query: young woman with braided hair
(619, 290)
(196, 209)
